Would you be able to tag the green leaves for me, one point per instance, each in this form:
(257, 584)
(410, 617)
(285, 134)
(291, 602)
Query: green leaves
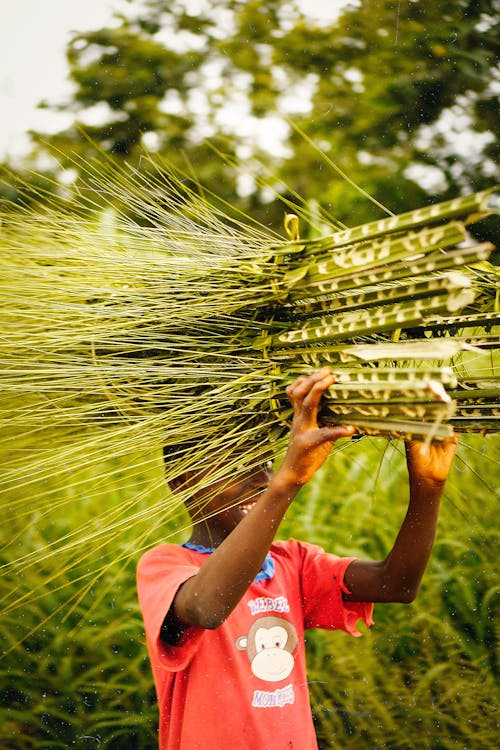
(345, 290)
(379, 89)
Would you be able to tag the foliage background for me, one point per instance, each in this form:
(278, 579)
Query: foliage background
(424, 677)
(400, 95)
(384, 93)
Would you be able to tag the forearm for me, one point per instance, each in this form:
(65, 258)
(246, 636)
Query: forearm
(406, 563)
(209, 597)
(397, 578)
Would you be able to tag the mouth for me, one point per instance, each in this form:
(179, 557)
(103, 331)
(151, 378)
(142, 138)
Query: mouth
(250, 497)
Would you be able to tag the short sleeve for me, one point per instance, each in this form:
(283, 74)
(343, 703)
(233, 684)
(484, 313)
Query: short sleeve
(322, 589)
(160, 573)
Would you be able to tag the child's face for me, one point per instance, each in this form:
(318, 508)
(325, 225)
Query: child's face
(224, 505)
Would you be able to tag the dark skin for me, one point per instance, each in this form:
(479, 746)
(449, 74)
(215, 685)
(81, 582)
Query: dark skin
(241, 521)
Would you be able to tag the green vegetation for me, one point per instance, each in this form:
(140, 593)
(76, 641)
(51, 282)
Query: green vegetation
(131, 296)
(124, 337)
(426, 676)
(127, 336)
(387, 91)
(183, 332)
(74, 673)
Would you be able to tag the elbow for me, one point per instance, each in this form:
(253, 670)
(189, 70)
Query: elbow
(200, 616)
(405, 593)
(197, 608)
(211, 623)
(407, 596)
(399, 589)
(400, 585)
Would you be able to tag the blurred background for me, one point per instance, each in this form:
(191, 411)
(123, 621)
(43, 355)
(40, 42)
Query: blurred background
(399, 98)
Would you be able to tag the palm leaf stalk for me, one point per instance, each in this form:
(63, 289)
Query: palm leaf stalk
(183, 327)
(123, 327)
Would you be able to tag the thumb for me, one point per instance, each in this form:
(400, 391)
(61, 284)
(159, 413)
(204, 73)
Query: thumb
(335, 432)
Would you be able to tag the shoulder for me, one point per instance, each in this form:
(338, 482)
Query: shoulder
(165, 555)
(307, 557)
(295, 552)
(295, 548)
(161, 551)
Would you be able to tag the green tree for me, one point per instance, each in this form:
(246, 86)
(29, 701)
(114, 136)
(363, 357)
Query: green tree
(127, 73)
(379, 91)
(22, 187)
(391, 80)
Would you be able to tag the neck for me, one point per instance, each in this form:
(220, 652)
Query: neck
(206, 536)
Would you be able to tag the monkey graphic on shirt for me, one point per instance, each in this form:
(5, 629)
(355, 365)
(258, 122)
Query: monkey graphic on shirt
(269, 646)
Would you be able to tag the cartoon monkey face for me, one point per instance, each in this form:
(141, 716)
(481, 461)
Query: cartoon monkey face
(269, 646)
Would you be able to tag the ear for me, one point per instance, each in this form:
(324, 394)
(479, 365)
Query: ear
(181, 481)
(242, 643)
(176, 482)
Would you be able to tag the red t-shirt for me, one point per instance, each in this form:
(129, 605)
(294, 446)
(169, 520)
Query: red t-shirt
(243, 686)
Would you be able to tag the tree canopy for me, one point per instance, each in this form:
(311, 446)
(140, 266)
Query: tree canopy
(399, 95)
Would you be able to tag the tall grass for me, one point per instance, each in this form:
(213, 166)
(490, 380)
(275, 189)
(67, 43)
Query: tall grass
(181, 327)
(75, 673)
(426, 675)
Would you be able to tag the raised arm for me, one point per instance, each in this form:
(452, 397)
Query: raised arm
(397, 578)
(206, 599)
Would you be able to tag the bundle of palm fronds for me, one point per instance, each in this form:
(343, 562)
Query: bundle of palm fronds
(181, 328)
(185, 328)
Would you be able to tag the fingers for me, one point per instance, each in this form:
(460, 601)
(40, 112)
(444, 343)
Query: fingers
(331, 434)
(431, 462)
(300, 387)
(306, 391)
(449, 445)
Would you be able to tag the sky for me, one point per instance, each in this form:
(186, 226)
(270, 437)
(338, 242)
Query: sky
(33, 39)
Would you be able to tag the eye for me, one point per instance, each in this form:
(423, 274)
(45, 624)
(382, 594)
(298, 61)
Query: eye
(277, 643)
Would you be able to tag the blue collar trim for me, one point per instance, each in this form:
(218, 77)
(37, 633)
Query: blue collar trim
(264, 574)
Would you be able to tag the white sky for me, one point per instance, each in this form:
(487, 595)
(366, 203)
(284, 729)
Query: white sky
(33, 39)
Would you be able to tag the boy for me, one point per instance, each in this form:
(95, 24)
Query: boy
(225, 615)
